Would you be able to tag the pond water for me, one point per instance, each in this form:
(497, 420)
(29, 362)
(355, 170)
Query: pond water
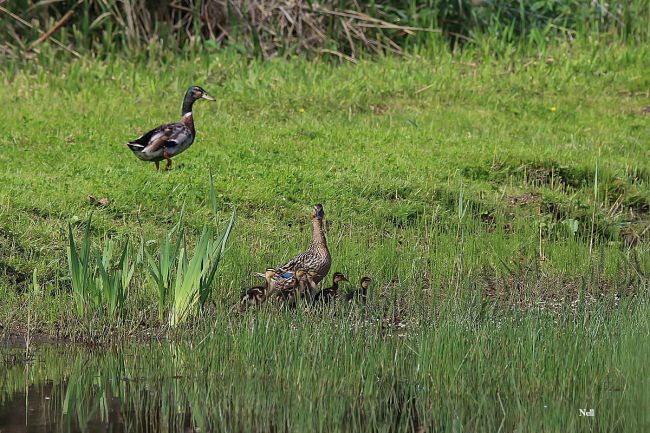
(174, 387)
(73, 389)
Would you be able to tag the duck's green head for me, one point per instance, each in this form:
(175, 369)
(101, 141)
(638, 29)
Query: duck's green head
(193, 94)
(196, 92)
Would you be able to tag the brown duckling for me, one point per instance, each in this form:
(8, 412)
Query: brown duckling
(309, 287)
(293, 288)
(360, 294)
(330, 293)
(255, 296)
(303, 289)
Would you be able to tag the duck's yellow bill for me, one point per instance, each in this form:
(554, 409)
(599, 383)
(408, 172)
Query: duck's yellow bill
(208, 97)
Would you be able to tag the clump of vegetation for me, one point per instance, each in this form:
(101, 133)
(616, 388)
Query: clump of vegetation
(98, 285)
(184, 285)
(344, 29)
(461, 365)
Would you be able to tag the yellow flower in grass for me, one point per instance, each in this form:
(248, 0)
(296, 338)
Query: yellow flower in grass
(301, 110)
(553, 109)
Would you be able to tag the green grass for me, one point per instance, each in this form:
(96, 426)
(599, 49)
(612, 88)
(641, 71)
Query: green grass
(500, 207)
(274, 372)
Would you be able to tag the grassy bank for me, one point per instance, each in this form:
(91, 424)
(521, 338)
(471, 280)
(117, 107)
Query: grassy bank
(501, 208)
(526, 176)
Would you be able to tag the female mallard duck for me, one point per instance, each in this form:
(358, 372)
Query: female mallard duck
(361, 294)
(316, 259)
(255, 296)
(169, 140)
(330, 293)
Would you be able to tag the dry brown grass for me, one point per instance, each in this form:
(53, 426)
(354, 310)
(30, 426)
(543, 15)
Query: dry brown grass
(263, 28)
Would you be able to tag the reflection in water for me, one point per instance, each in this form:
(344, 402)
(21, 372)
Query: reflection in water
(296, 374)
(34, 410)
(72, 390)
(28, 410)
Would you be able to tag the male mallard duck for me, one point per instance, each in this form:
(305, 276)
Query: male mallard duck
(169, 140)
(361, 294)
(257, 295)
(330, 293)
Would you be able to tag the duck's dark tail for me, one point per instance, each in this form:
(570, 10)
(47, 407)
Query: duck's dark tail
(135, 146)
(140, 143)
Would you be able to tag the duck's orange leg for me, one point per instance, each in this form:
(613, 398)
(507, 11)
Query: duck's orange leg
(168, 158)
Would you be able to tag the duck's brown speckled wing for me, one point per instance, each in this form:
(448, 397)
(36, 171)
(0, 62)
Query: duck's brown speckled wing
(284, 280)
(311, 260)
(294, 264)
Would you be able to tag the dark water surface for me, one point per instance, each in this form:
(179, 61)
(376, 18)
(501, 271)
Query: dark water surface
(73, 389)
(33, 410)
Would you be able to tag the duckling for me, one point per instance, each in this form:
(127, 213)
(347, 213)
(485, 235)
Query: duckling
(330, 293)
(255, 296)
(302, 288)
(309, 288)
(170, 139)
(292, 288)
(360, 294)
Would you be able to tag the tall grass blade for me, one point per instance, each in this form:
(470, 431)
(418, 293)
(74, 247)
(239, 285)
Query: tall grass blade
(213, 196)
(214, 258)
(36, 287)
(79, 266)
(188, 282)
